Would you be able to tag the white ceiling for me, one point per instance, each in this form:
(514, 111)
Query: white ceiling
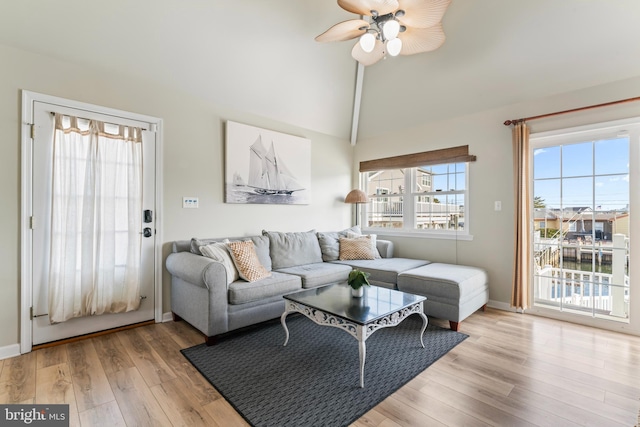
(260, 56)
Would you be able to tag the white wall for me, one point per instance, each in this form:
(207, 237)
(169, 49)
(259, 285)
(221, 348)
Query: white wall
(193, 162)
(491, 176)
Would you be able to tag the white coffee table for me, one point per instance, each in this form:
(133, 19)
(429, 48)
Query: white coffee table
(333, 305)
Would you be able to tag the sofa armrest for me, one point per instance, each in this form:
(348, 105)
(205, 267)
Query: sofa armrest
(385, 247)
(198, 270)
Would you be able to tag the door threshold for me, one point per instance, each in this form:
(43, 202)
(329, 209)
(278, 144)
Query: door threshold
(91, 335)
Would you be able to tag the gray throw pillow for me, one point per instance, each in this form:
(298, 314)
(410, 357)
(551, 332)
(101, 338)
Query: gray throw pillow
(261, 244)
(293, 249)
(195, 245)
(330, 242)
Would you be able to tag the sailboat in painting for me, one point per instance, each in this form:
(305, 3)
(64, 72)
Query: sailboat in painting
(268, 175)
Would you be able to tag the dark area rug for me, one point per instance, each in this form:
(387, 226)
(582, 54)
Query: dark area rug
(314, 380)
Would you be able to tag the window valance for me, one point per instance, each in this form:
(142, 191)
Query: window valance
(435, 157)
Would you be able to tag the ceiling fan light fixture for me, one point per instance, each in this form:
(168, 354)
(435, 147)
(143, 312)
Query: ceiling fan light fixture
(367, 42)
(390, 29)
(394, 47)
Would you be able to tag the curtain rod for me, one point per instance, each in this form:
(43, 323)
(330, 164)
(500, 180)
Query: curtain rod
(53, 113)
(542, 116)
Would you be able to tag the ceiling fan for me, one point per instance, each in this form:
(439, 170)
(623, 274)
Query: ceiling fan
(396, 27)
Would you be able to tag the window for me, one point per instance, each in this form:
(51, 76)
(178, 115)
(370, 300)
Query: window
(439, 206)
(421, 192)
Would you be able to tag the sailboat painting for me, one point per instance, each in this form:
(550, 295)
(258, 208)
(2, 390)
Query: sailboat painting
(267, 167)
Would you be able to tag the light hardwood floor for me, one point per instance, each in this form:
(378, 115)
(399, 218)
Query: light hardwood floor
(513, 370)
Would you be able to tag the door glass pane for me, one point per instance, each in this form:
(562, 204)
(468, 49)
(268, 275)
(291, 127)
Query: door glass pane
(577, 159)
(612, 156)
(546, 162)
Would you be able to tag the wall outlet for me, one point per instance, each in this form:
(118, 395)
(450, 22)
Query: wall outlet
(190, 202)
(497, 205)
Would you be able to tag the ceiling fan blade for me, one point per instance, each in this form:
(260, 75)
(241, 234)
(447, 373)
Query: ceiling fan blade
(345, 30)
(368, 58)
(417, 40)
(364, 7)
(422, 13)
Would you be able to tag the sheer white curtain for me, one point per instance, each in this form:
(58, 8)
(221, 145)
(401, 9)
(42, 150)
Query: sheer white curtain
(96, 219)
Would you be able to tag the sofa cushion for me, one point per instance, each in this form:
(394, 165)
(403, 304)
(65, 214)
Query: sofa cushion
(277, 284)
(384, 269)
(356, 248)
(318, 274)
(450, 283)
(329, 242)
(219, 252)
(261, 244)
(292, 249)
(246, 261)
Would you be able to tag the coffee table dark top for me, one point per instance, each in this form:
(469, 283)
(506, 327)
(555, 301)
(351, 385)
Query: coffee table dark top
(336, 299)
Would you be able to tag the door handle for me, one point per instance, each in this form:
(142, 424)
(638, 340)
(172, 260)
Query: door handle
(147, 232)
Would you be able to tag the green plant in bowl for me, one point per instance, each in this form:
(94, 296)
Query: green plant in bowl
(358, 278)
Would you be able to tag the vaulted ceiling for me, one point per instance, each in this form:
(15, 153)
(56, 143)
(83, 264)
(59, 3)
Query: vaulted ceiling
(260, 56)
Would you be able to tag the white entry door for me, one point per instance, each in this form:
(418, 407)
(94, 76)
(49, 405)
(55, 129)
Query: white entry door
(41, 191)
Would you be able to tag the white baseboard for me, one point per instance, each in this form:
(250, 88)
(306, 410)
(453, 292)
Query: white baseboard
(504, 306)
(167, 317)
(8, 351)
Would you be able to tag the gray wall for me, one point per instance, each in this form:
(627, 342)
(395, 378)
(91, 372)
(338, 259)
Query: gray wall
(193, 163)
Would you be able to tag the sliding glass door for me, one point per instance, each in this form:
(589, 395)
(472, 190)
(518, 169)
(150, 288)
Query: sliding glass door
(583, 213)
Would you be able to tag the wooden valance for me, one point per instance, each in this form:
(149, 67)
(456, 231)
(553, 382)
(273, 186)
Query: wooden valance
(435, 157)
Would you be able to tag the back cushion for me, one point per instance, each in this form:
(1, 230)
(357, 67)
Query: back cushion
(293, 249)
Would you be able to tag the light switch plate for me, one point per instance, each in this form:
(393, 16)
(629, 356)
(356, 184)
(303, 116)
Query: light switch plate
(497, 205)
(190, 202)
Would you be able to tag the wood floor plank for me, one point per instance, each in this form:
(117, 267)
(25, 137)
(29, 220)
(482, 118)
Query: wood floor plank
(505, 403)
(18, 379)
(113, 356)
(374, 418)
(442, 411)
(463, 404)
(54, 386)
(224, 414)
(181, 406)
(50, 356)
(89, 379)
(580, 415)
(401, 413)
(137, 403)
(151, 366)
(162, 341)
(514, 373)
(185, 335)
(106, 415)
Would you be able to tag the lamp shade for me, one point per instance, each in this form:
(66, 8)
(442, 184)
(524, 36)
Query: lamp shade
(356, 196)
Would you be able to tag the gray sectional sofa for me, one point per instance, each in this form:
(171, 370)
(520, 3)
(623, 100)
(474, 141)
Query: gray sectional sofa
(202, 295)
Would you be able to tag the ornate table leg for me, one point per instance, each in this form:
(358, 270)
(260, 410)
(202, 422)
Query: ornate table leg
(283, 320)
(362, 350)
(425, 322)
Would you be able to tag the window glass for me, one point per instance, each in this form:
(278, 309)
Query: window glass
(437, 201)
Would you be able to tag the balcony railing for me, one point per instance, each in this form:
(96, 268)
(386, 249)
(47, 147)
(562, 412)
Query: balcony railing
(580, 289)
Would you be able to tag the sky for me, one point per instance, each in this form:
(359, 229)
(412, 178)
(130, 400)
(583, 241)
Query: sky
(566, 176)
